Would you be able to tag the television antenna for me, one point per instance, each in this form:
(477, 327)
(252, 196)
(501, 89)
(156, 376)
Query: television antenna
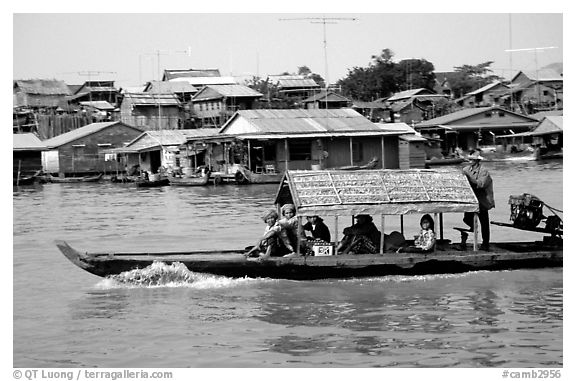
(323, 21)
(159, 53)
(90, 74)
(535, 50)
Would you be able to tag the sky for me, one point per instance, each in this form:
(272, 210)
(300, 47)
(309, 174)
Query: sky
(129, 48)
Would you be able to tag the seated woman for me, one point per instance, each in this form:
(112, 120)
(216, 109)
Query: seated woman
(361, 238)
(290, 231)
(269, 244)
(318, 228)
(426, 240)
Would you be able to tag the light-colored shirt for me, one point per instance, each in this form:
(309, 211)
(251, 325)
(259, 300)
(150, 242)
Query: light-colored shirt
(426, 240)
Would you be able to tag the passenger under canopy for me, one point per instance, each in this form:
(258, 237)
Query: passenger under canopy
(378, 192)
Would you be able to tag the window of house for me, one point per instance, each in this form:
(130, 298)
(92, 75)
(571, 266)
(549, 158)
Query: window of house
(300, 149)
(501, 113)
(488, 114)
(545, 93)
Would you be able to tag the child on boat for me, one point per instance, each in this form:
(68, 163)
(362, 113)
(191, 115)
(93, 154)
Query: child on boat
(291, 231)
(426, 240)
(268, 245)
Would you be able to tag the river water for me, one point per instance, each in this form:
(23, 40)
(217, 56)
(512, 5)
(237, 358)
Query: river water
(65, 317)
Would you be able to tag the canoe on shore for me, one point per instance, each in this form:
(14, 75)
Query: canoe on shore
(448, 258)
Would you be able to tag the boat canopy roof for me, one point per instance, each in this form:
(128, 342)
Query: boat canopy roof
(376, 191)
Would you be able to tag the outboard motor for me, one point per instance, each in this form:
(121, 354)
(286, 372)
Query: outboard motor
(525, 211)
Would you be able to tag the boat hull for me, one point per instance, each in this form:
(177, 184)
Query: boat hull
(152, 184)
(189, 181)
(504, 256)
(85, 179)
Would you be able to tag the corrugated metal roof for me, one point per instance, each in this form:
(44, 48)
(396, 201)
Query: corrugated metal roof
(543, 75)
(164, 87)
(297, 83)
(462, 114)
(377, 191)
(321, 96)
(369, 105)
(156, 138)
(231, 91)
(485, 88)
(398, 127)
(301, 121)
(133, 89)
(314, 135)
(81, 132)
(27, 142)
(150, 99)
(408, 94)
(203, 81)
(550, 125)
(100, 105)
(187, 73)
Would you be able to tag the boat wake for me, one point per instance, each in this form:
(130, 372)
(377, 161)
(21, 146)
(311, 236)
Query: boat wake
(416, 278)
(160, 274)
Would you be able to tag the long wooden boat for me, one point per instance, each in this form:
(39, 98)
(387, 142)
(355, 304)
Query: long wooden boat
(82, 179)
(233, 263)
(190, 181)
(351, 193)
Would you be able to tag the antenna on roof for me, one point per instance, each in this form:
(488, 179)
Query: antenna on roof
(89, 74)
(323, 21)
(535, 50)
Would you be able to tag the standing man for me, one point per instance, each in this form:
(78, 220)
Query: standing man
(481, 184)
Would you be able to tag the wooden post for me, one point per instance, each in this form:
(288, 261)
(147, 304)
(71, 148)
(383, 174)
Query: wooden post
(18, 175)
(249, 162)
(382, 152)
(441, 226)
(351, 153)
(195, 157)
(475, 244)
(402, 224)
(381, 234)
(285, 154)
(336, 242)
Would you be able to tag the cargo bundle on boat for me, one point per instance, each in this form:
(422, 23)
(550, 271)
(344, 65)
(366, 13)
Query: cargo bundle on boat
(349, 193)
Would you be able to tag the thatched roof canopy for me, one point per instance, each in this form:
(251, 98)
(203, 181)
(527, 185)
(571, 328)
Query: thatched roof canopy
(385, 191)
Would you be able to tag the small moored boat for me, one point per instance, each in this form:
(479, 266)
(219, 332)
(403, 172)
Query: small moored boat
(81, 179)
(349, 193)
(190, 181)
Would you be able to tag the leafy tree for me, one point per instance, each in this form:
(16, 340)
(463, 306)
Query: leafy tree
(415, 74)
(472, 77)
(383, 77)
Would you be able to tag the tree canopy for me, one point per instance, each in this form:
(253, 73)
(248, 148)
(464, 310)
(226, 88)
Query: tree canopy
(472, 77)
(383, 77)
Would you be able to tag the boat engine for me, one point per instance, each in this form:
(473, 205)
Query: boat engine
(525, 211)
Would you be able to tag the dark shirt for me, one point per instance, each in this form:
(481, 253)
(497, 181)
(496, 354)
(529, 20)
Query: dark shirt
(319, 231)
